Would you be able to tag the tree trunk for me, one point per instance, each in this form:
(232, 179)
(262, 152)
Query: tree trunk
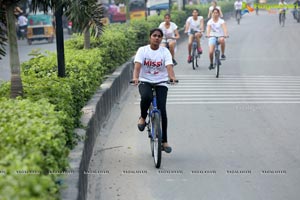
(87, 38)
(16, 82)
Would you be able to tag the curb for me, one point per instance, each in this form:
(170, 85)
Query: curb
(95, 113)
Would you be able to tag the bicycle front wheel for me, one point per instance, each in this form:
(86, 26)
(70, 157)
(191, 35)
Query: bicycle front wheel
(217, 63)
(194, 52)
(156, 140)
(283, 20)
(238, 18)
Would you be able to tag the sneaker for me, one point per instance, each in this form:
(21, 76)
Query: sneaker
(199, 50)
(223, 56)
(174, 62)
(189, 59)
(211, 66)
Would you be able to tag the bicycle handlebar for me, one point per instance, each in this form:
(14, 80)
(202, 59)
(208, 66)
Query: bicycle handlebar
(217, 36)
(168, 82)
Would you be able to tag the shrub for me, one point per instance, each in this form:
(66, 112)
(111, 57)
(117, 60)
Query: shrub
(32, 140)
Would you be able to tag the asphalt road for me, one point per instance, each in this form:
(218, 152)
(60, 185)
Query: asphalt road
(233, 138)
(24, 50)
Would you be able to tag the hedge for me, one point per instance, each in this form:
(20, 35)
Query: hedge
(32, 145)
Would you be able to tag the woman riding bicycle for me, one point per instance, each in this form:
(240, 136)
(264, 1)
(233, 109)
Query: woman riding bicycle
(171, 34)
(153, 64)
(216, 27)
(195, 23)
(210, 9)
(238, 7)
(282, 9)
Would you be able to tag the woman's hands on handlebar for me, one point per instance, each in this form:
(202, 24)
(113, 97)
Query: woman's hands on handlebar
(172, 81)
(134, 81)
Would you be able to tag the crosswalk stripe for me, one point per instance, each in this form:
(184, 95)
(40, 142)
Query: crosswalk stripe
(232, 89)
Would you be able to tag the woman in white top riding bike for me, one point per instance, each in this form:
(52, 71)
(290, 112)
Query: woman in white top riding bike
(238, 4)
(216, 27)
(210, 9)
(171, 34)
(195, 23)
(153, 64)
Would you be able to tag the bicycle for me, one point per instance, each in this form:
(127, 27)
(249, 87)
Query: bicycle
(153, 124)
(282, 18)
(195, 55)
(217, 61)
(166, 42)
(296, 14)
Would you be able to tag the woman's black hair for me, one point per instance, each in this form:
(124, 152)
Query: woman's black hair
(196, 10)
(156, 29)
(216, 10)
(167, 15)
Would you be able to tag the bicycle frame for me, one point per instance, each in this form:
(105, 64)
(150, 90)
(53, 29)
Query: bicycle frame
(195, 54)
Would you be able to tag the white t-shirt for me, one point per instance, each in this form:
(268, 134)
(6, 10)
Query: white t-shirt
(168, 32)
(194, 24)
(238, 5)
(22, 21)
(154, 63)
(283, 5)
(216, 27)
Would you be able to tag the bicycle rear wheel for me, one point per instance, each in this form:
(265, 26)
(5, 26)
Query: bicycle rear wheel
(217, 63)
(156, 140)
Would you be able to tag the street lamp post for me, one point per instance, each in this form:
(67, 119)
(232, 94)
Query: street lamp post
(60, 42)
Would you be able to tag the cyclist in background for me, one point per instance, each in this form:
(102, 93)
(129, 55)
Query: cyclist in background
(214, 5)
(283, 7)
(171, 34)
(153, 64)
(195, 23)
(216, 27)
(296, 6)
(238, 7)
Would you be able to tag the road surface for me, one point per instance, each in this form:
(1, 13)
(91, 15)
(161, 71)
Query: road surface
(233, 138)
(24, 50)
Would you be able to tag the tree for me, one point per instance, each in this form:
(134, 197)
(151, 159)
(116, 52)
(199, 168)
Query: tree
(3, 33)
(8, 19)
(86, 15)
